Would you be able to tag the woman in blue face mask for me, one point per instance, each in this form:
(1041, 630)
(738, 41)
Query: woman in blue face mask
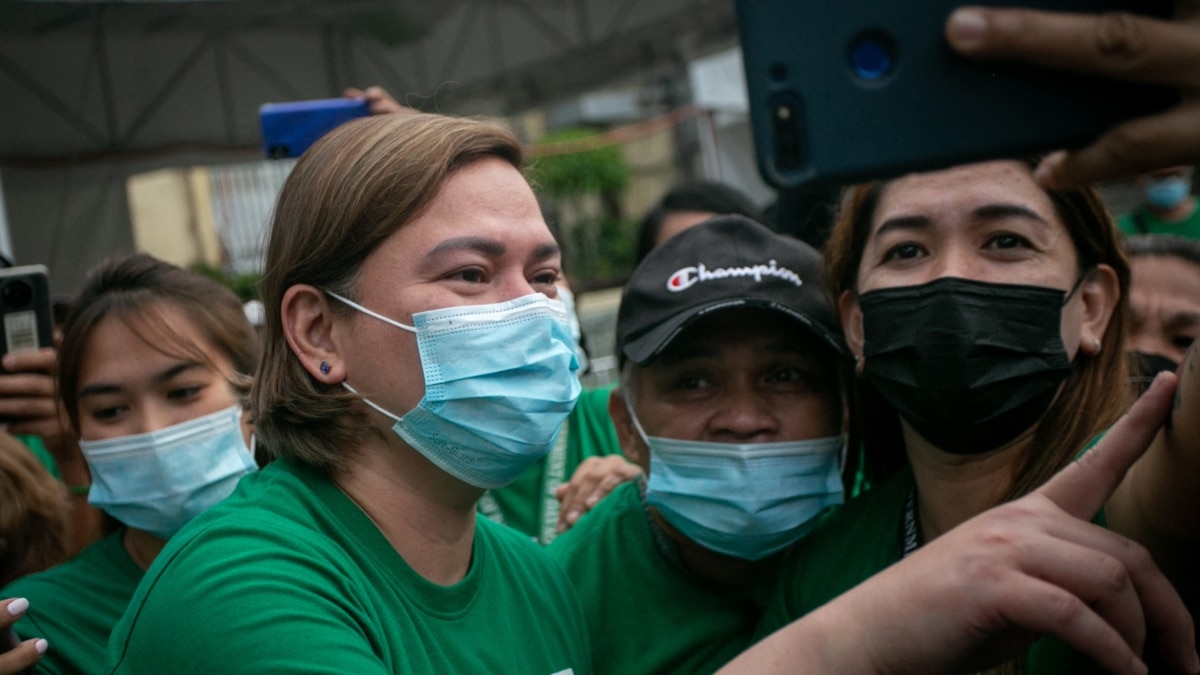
(987, 318)
(415, 355)
(153, 363)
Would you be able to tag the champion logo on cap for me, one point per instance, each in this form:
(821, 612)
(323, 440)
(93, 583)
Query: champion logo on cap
(687, 277)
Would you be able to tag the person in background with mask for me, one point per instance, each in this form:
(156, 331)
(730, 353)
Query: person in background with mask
(987, 317)
(729, 401)
(1167, 206)
(414, 355)
(1164, 301)
(153, 362)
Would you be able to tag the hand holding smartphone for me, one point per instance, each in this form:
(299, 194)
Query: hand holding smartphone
(860, 89)
(288, 129)
(25, 309)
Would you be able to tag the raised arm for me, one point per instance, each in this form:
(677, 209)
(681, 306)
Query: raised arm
(980, 593)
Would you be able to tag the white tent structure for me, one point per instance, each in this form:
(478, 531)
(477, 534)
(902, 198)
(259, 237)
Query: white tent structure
(94, 92)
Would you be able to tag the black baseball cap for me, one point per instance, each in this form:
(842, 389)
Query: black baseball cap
(725, 262)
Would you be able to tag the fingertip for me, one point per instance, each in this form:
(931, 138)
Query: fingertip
(966, 29)
(1048, 173)
(9, 361)
(41, 646)
(18, 606)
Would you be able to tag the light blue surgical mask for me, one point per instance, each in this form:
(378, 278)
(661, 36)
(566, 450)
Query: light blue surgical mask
(159, 481)
(568, 299)
(746, 500)
(499, 384)
(1167, 193)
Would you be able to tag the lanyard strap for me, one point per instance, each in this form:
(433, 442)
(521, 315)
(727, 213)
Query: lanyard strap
(911, 532)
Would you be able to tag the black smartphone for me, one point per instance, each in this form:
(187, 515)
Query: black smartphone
(25, 310)
(288, 129)
(852, 90)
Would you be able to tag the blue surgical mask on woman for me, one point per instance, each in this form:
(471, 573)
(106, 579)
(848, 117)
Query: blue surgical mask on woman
(568, 299)
(499, 384)
(158, 481)
(746, 500)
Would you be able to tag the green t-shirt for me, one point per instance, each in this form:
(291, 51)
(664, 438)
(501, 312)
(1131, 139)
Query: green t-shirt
(1188, 227)
(38, 447)
(288, 575)
(645, 614)
(857, 542)
(75, 605)
(529, 505)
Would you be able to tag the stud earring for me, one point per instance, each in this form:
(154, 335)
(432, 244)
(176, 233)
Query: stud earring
(325, 367)
(1096, 344)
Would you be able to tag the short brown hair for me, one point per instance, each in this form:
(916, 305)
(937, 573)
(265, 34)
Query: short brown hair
(1095, 394)
(347, 194)
(33, 513)
(138, 289)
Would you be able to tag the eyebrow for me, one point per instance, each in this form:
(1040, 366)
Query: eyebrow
(165, 376)
(490, 247)
(985, 212)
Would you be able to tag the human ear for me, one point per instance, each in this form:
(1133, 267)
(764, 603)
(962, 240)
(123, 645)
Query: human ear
(310, 331)
(852, 327)
(1098, 296)
(631, 441)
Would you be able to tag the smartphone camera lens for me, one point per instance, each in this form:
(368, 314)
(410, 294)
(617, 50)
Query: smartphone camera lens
(16, 294)
(872, 56)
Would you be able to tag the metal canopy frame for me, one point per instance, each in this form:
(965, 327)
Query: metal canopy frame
(89, 80)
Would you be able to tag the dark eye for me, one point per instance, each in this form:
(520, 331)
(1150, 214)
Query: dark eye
(1183, 341)
(905, 251)
(1004, 241)
(546, 278)
(106, 413)
(785, 375)
(183, 393)
(471, 276)
(692, 382)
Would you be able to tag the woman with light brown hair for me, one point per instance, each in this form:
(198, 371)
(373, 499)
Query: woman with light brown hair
(415, 355)
(986, 317)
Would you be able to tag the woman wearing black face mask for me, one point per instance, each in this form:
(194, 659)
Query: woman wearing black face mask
(987, 318)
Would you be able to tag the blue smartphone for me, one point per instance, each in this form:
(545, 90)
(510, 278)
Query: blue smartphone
(288, 129)
(852, 90)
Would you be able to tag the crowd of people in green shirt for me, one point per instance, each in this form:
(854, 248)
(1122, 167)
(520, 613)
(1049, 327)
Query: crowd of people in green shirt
(921, 449)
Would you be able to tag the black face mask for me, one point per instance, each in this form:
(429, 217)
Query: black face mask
(969, 365)
(1147, 366)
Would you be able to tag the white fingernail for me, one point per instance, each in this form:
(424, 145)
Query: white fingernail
(41, 645)
(17, 607)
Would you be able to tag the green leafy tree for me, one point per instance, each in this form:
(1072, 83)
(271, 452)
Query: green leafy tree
(600, 247)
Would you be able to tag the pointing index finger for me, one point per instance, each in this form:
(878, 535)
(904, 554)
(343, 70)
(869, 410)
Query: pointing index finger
(1082, 488)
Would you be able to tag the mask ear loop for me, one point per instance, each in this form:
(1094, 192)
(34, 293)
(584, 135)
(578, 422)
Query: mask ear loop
(636, 424)
(1078, 283)
(364, 310)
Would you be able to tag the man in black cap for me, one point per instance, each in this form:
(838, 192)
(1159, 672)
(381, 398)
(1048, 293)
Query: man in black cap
(730, 402)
